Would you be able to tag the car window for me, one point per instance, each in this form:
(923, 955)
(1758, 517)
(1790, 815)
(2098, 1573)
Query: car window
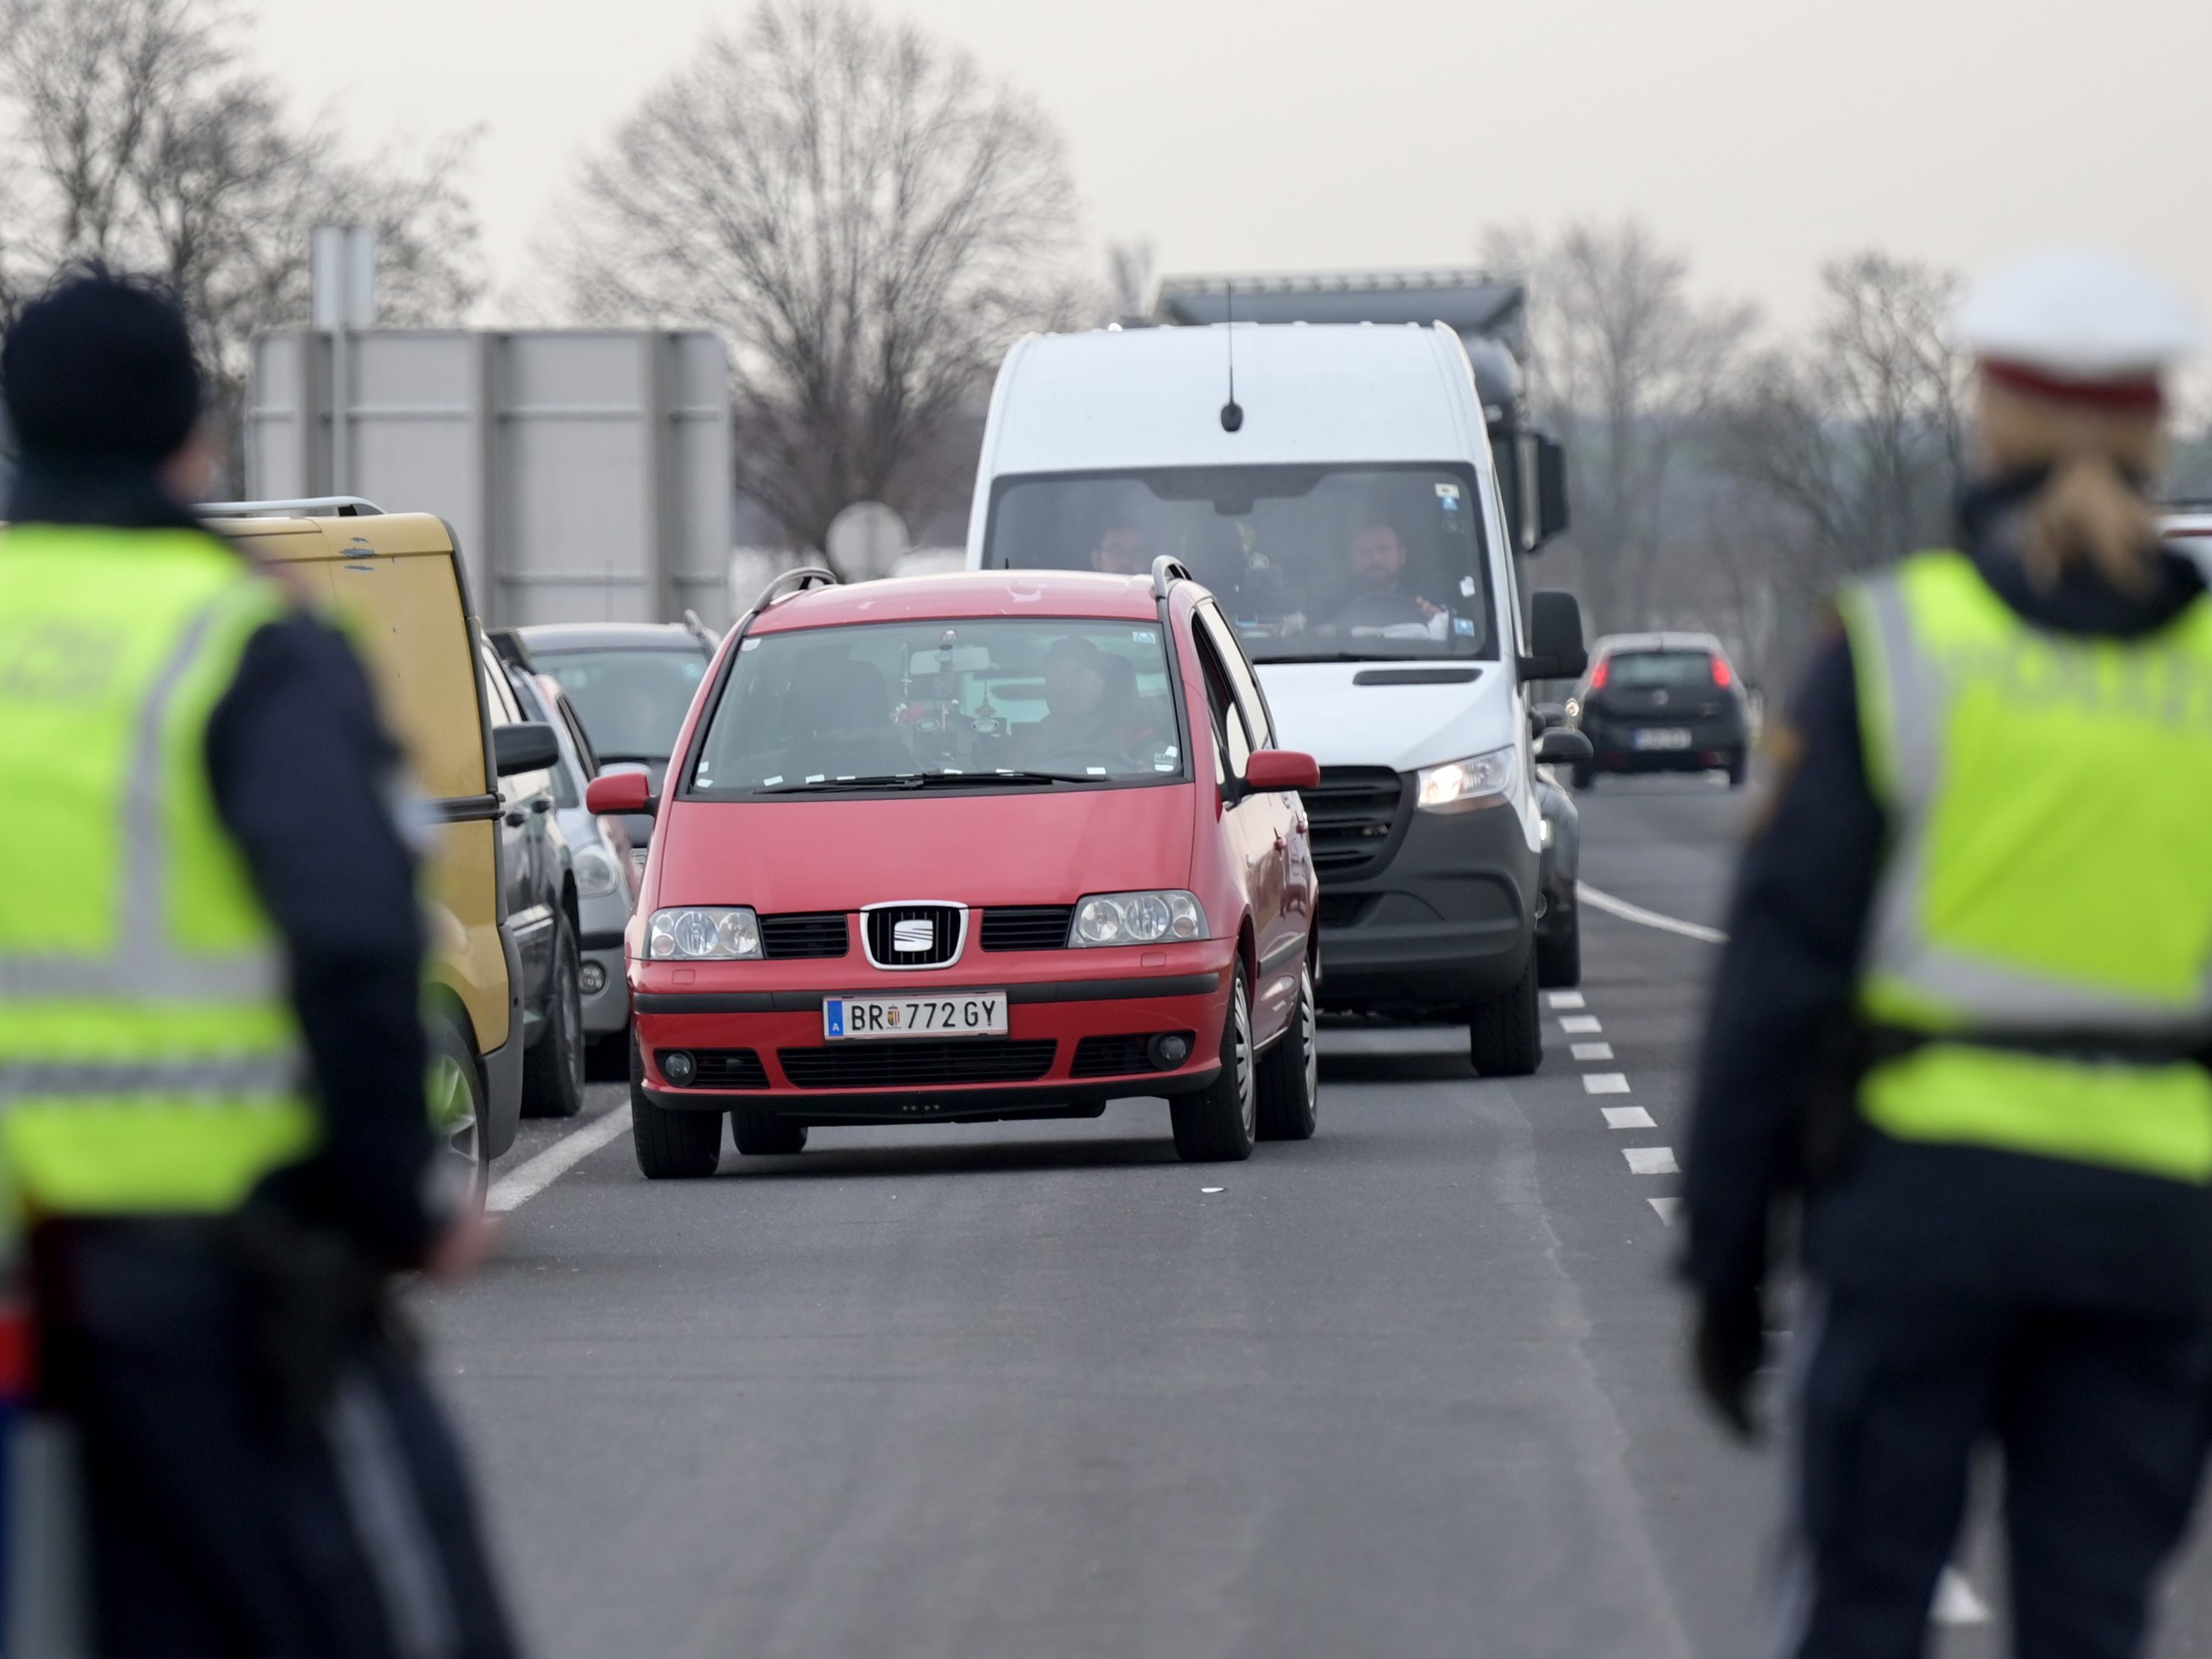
(499, 697)
(1228, 727)
(632, 701)
(1669, 668)
(1250, 697)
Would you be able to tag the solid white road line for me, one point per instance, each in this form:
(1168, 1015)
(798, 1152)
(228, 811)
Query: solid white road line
(1580, 1025)
(1650, 1160)
(1666, 1206)
(1592, 1050)
(1567, 999)
(525, 1180)
(1637, 913)
(1956, 1602)
(1605, 1083)
(1628, 1117)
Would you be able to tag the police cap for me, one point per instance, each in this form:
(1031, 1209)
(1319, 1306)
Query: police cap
(2080, 326)
(101, 364)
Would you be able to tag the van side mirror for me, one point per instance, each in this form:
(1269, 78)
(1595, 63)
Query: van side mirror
(1555, 638)
(1280, 769)
(1551, 490)
(1563, 746)
(619, 793)
(530, 746)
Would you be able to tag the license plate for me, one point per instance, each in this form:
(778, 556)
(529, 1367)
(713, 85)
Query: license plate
(968, 1013)
(1661, 736)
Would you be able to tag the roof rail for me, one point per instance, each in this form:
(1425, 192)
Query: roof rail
(799, 580)
(304, 507)
(1167, 571)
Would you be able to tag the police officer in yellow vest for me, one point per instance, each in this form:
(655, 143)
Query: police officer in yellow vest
(212, 1124)
(1964, 1017)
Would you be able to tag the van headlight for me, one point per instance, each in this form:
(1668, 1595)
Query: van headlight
(596, 873)
(698, 933)
(1460, 785)
(1137, 918)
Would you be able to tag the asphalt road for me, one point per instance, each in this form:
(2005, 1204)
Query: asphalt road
(1017, 1391)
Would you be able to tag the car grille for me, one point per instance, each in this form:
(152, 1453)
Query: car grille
(917, 1063)
(805, 933)
(885, 928)
(724, 1068)
(1027, 927)
(1116, 1056)
(1350, 818)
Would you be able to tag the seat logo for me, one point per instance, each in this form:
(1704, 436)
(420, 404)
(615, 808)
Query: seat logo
(911, 938)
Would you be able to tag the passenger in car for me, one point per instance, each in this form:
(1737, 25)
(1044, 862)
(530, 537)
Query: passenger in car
(1380, 594)
(1094, 711)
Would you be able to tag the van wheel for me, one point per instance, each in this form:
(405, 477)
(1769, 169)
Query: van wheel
(760, 1132)
(553, 1067)
(1218, 1123)
(670, 1145)
(1580, 777)
(1559, 959)
(1506, 1036)
(1736, 768)
(1289, 1075)
(455, 1089)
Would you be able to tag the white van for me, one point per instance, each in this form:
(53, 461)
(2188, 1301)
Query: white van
(1343, 507)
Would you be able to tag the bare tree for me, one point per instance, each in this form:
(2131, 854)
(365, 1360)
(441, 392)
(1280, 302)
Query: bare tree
(1630, 367)
(869, 219)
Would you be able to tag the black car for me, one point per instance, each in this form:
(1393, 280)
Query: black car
(1559, 918)
(1661, 703)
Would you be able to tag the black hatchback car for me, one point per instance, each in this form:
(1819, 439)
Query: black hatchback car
(1661, 703)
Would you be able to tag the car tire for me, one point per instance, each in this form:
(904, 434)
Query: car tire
(1560, 958)
(1506, 1034)
(1581, 778)
(454, 1087)
(1736, 768)
(1218, 1123)
(553, 1067)
(670, 1145)
(1289, 1075)
(760, 1132)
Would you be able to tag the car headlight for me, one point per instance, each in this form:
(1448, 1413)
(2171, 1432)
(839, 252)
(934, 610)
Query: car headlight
(1457, 786)
(703, 934)
(1137, 918)
(596, 873)
(1544, 831)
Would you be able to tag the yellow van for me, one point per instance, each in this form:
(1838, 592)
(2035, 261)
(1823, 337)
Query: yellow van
(396, 581)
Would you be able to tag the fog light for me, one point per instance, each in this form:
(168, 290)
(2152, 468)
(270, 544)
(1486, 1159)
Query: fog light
(594, 978)
(1169, 1050)
(679, 1068)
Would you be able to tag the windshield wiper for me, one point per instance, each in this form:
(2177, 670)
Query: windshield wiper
(920, 781)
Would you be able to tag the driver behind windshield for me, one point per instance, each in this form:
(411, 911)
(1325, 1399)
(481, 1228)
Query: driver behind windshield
(1379, 593)
(1122, 548)
(1095, 715)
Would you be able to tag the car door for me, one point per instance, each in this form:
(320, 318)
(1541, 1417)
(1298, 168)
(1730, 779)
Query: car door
(527, 860)
(1250, 819)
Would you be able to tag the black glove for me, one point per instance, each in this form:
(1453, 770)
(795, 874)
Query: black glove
(1731, 1345)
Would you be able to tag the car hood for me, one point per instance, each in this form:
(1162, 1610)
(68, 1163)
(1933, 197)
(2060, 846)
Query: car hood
(1034, 848)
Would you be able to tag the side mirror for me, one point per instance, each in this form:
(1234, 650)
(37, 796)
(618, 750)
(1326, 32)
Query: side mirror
(1563, 746)
(1555, 638)
(1551, 488)
(1281, 768)
(618, 794)
(531, 746)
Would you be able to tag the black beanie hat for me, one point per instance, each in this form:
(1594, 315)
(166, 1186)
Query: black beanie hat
(101, 364)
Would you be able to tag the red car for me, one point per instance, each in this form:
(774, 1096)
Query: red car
(967, 847)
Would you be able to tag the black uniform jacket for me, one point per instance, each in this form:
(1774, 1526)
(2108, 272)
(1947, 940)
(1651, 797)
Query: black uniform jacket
(304, 776)
(1898, 1217)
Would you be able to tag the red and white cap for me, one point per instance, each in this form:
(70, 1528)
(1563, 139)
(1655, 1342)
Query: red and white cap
(2078, 326)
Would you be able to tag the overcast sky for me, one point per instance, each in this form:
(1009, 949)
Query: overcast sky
(1760, 136)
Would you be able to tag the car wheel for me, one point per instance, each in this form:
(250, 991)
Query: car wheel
(760, 1132)
(455, 1089)
(1559, 957)
(1736, 768)
(1289, 1075)
(1506, 1036)
(553, 1067)
(1580, 777)
(1218, 1123)
(670, 1145)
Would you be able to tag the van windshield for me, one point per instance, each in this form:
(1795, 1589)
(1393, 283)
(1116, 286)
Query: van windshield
(1033, 702)
(1311, 562)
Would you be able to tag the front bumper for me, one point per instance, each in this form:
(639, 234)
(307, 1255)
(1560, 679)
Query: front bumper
(1187, 990)
(606, 1011)
(1441, 919)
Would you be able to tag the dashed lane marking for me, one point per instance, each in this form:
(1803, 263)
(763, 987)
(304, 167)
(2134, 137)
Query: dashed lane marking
(1666, 1206)
(525, 1180)
(1580, 1025)
(1592, 1050)
(1651, 1160)
(1956, 1602)
(1605, 1083)
(1635, 913)
(1628, 1117)
(1567, 999)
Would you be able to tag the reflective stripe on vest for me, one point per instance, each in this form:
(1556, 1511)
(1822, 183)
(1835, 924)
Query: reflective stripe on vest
(149, 1058)
(2046, 797)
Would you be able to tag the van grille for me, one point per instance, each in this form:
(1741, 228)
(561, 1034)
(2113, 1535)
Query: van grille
(1350, 818)
(917, 1063)
(1027, 926)
(805, 933)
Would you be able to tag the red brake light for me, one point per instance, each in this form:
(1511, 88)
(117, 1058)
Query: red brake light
(1721, 675)
(1598, 674)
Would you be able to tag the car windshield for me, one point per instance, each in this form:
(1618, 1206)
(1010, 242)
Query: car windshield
(632, 702)
(1311, 562)
(997, 702)
(1659, 668)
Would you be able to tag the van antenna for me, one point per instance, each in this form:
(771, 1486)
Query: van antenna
(1233, 412)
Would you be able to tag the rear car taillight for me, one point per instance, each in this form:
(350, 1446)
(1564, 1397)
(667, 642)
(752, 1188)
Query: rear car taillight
(1721, 675)
(1597, 676)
